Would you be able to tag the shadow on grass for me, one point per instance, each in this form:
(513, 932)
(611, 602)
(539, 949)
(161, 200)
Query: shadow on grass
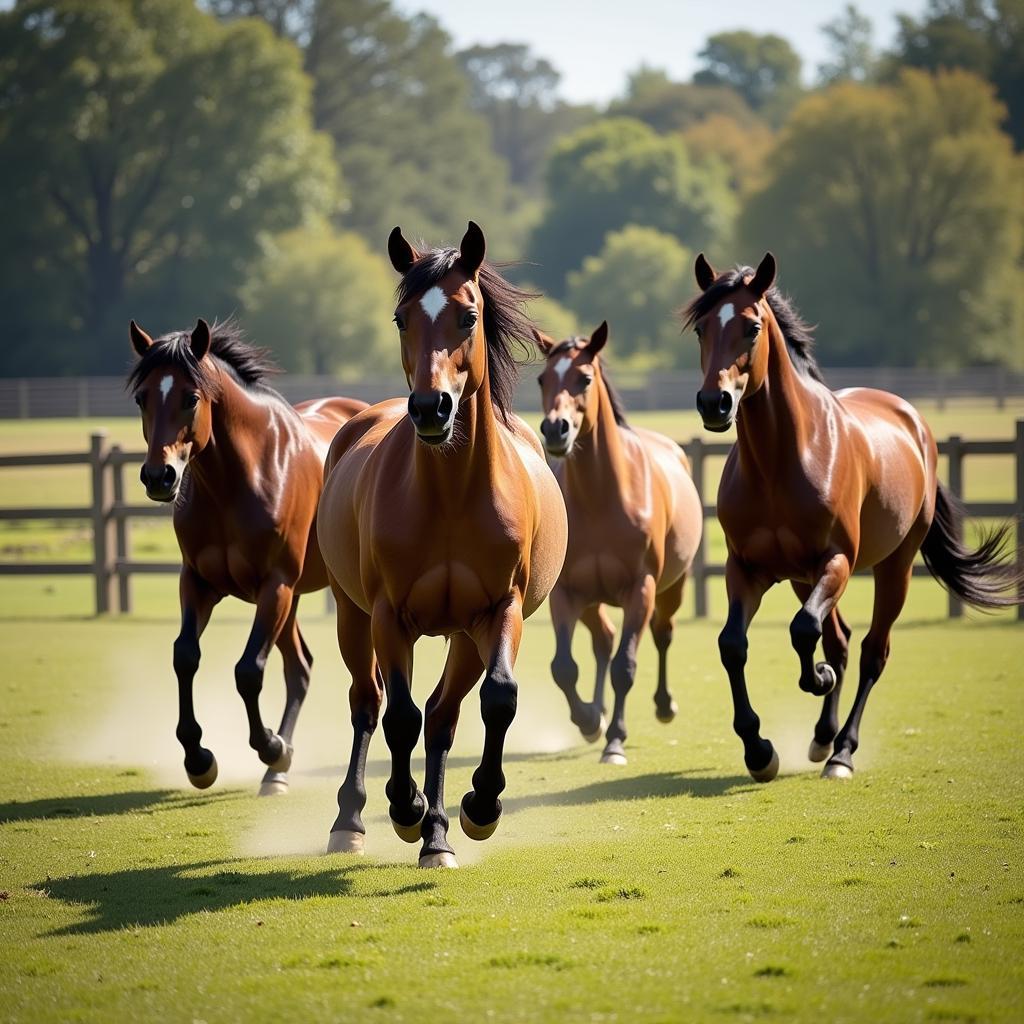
(139, 801)
(146, 897)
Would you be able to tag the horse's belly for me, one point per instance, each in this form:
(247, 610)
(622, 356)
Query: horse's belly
(448, 598)
(228, 571)
(780, 552)
(600, 577)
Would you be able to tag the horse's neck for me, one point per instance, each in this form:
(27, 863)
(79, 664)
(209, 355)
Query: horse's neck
(772, 425)
(599, 458)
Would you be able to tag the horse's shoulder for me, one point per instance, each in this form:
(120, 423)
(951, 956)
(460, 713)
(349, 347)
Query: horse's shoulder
(372, 418)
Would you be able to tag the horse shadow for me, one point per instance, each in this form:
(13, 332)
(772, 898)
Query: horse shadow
(139, 801)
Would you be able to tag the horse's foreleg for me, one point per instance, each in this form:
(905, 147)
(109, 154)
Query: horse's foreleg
(298, 663)
(273, 606)
(497, 642)
(666, 604)
(745, 592)
(602, 638)
(636, 615)
(461, 672)
(806, 628)
(365, 693)
(565, 612)
(197, 604)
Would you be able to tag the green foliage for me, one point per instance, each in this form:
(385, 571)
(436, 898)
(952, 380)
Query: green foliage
(763, 69)
(553, 318)
(131, 182)
(636, 282)
(897, 213)
(323, 302)
(853, 54)
(618, 172)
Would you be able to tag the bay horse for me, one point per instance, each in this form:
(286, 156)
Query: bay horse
(439, 517)
(819, 484)
(635, 522)
(244, 470)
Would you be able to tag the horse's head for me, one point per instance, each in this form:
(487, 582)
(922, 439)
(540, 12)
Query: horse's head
(568, 392)
(444, 351)
(170, 389)
(733, 359)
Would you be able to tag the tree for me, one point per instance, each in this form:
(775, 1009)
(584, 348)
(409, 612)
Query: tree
(553, 318)
(636, 283)
(850, 41)
(617, 172)
(740, 149)
(131, 182)
(897, 214)
(763, 69)
(324, 303)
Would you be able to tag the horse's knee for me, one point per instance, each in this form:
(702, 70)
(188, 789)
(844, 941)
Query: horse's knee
(662, 632)
(499, 697)
(732, 649)
(623, 672)
(248, 679)
(402, 722)
(565, 671)
(804, 632)
(186, 657)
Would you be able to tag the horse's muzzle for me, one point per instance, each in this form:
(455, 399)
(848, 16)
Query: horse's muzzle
(556, 435)
(161, 483)
(717, 409)
(433, 415)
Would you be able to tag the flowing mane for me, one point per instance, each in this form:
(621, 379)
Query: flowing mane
(618, 407)
(798, 334)
(250, 366)
(506, 325)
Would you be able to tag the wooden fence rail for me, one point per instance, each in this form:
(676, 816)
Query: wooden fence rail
(112, 566)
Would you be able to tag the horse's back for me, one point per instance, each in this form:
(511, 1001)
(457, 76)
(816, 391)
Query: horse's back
(324, 416)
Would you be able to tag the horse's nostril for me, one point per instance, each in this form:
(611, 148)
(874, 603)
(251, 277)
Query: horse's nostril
(444, 406)
(414, 409)
(725, 403)
(169, 477)
(563, 427)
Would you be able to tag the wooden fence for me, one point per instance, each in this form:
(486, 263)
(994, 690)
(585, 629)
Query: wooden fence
(112, 566)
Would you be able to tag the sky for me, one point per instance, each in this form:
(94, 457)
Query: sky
(596, 44)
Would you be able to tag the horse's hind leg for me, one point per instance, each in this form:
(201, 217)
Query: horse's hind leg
(602, 636)
(636, 615)
(365, 693)
(892, 581)
(666, 604)
(461, 671)
(197, 604)
(807, 626)
(298, 662)
(565, 612)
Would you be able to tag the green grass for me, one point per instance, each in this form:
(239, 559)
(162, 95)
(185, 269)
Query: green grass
(671, 889)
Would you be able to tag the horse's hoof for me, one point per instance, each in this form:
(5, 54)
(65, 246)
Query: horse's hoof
(837, 770)
(274, 787)
(593, 737)
(471, 828)
(769, 771)
(824, 678)
(613, 757)
(439, 860)
(346, 841)
(284, 762)
(411, 833)
(818, 752)
(207, 778)
(666, 715)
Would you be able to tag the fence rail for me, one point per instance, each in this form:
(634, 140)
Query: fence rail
(112, 566)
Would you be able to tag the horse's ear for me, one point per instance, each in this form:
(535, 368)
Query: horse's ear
(201, 339)
(544, 341)
(705, 273)
(472, 248)
(764, 277)
(402, 254)
(140, 339)
(598, 339)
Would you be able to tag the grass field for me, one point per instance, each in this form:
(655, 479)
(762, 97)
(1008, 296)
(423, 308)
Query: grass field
(670, 889)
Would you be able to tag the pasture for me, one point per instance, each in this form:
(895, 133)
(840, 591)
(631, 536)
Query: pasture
(672, 888)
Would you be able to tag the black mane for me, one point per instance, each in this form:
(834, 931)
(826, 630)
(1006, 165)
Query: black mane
(799, 335)
(618, 407)
(506, 325)
(249, 366)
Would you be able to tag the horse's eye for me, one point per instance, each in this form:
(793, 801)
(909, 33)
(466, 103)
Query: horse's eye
(699, 331)
(191, 400)
(400, 321)
(140, 401)
(469, 319)
(587, 381)
(753, 329)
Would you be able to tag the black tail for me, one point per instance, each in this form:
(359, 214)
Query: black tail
(988, 578)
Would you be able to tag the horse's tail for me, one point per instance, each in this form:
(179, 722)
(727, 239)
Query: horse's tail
(988, 577)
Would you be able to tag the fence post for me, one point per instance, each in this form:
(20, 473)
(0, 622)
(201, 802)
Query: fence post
(956, 486)
(1019, 459)
(100, 522)
(121, 534)
(698, 572)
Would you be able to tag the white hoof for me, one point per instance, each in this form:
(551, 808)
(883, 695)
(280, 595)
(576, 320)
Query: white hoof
(284, 762)
(274, 787)
(613, 758)
(344, 841)
(818, 752)
(834, 770)
(207, 779)
(475, 831)
(828, 675)
(439, 860)
(410, 833)
(769, 771)
(593, 737)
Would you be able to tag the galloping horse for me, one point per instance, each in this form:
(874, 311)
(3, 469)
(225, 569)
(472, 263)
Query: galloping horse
(439, 517)
(244, 470)
(635, 521)
(819, 484)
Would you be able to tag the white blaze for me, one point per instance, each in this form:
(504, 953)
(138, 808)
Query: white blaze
(725, 314)
(433, 302)
(165, 386)
(562, 367)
